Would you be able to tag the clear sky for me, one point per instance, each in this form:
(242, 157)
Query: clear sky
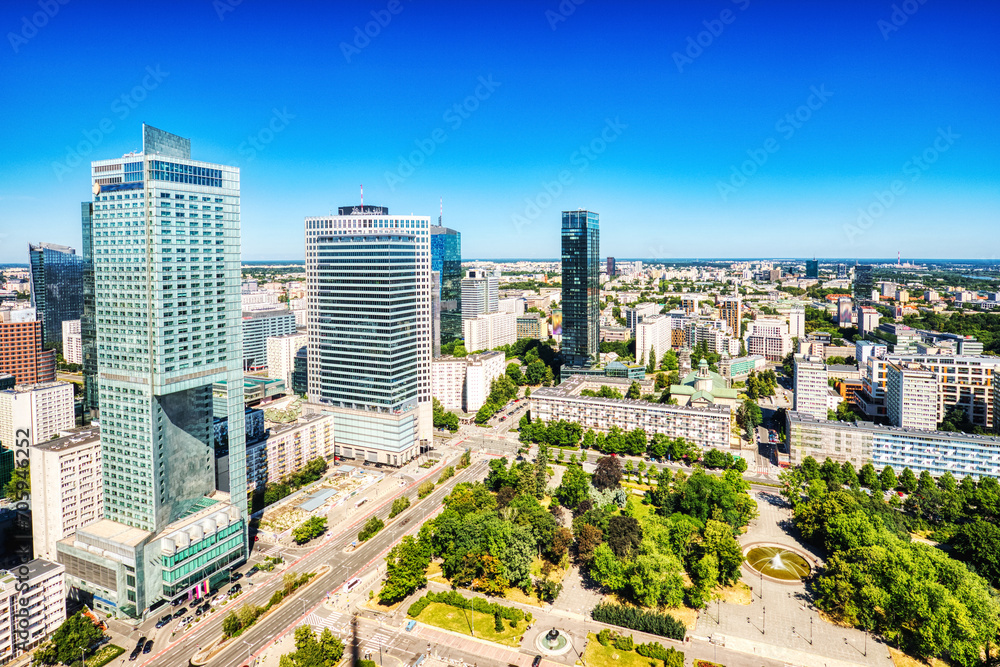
(845, 105)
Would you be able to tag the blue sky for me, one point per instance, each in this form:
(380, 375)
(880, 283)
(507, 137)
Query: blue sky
(695, 129)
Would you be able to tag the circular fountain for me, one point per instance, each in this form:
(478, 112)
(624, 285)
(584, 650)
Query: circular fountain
(552, 642)
(778, 563)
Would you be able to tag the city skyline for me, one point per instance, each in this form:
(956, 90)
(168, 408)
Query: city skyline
(874, 92)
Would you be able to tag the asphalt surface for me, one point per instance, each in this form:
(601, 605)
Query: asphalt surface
(330, 552)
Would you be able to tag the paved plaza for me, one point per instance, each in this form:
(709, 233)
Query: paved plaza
(781, 623)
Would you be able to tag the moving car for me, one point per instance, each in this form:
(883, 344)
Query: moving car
(537, 661)
(410, 625)
(180, 612)
(163, 621)
(139, 644)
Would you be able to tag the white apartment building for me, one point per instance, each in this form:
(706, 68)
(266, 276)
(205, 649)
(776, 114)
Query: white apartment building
(66, 488)
(512, 304)
(797, 322)
(711, 332)
(911, 396)
(768, 338)
(489, 331)
(72, 342)
(936, 452)
(706, 427)
(463, 383)
(868, 320)
(254, 301)
(653, 333)
(281, 351)
(43, 410)
(289, 447)
(811, 386)
(963, 380)
(32, 606)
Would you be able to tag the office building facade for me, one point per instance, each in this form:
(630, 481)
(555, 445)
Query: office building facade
(480, 294)
(21, 353)
(812, 269)
(258, 326)
(368, 282)
(56, 287)
(864, 283)
(72, 342)
(731, 312)
(580, 287)
(166, 260)
(446, 259)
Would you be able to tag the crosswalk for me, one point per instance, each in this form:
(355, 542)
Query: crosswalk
(319, 622)
(374, 642)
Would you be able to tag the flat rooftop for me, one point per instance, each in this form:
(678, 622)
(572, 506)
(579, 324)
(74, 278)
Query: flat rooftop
(77, 437)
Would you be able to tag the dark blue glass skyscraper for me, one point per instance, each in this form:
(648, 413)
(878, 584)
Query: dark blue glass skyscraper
(580, 287)
(56, 287)
(446, 259)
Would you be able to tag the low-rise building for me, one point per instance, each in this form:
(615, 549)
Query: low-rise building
(739, 368)
(532, 326)
(281, 351)
(935, 452)
(706, 427)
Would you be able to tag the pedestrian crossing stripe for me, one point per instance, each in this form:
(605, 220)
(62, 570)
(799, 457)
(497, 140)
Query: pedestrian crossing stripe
(318, 621)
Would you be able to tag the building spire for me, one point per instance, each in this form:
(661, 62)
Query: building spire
(441, 213)
(362, 196)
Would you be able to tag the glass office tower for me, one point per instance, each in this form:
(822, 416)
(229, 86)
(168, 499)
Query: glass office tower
(581, 287)
(812, 268)
(88, 321)
(368, 276)
(864, 283)
(56, 287)
(165, 235)
(446, 259)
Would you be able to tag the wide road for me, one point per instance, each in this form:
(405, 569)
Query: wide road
(330, 552)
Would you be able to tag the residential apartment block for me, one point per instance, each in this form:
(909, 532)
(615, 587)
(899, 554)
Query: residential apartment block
(768, 338)
(911, 396)
(706, 427)
(43, 410)
(258, 326)
(67, 490)
(811, 386)
(21, 352)
(463, 383)
(281, 351)
(72, 342)
(936, 452)
(487, 332)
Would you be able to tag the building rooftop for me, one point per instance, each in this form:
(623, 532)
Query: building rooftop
(112, 531)
(28, 388)
(39, 568)
(303, 420)
(77, 437)
(872, 426)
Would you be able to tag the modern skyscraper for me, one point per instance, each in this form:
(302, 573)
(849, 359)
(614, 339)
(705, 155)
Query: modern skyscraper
(258, 326)
(812, 268)
(841, 271)
(480, 294)
(446, 259)
(611, 267)
(166, 261)
(368, 276)
(864, 283)
(56, 287)
(580, 287)
(88, 320)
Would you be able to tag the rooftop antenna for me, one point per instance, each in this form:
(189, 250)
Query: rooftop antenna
(362, 195)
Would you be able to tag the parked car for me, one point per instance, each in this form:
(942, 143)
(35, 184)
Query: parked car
(236, 576)
(180, 612)
(252, 571)
(139, 644)
(163, 621)
(135, 654)
(537, 661)
(148, 648)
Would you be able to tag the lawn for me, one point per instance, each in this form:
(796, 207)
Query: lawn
(608, 656)
(900, 659)
(458, 620)
(107, 653)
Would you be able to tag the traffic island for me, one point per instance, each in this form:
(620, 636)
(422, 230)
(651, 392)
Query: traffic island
(223, 640)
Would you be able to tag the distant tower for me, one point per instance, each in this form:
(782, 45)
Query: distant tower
(580, 286)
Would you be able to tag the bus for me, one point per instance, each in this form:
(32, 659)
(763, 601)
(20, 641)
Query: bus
(360, 503)
(352, 584)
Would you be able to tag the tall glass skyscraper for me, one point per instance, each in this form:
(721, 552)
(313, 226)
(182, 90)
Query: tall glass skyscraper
(56, 287)
(368, 280)
(165, 243)
(864, 283)
(446, 259)
(88, 320)
(581, 287)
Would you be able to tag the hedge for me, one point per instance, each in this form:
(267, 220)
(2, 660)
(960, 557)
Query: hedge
(633, 618)
(456, 599)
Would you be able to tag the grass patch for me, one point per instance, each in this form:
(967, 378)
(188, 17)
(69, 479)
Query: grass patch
(107, 653)
(637, 487)
(900, 659)
(434, 571)
(517, 595)
(597, 655)
(462, 621)
(686, 615)
(374, 605)
(706, 663)
(738, 593)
